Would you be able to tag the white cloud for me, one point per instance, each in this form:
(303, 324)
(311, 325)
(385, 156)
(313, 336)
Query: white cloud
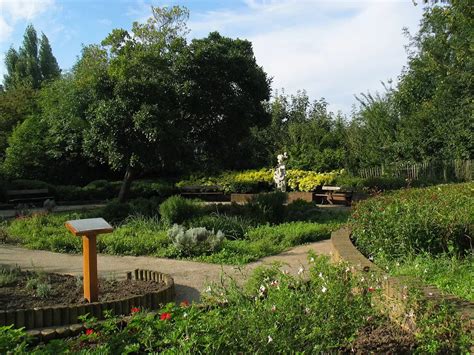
(5, 30)
(12, 11)
(333, 49)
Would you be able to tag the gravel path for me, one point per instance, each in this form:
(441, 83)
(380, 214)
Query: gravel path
(190, 277)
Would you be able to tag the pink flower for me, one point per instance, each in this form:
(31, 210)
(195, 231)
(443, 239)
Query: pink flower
(135, 310)
(184, 304)
(371, 289)
(89, 331)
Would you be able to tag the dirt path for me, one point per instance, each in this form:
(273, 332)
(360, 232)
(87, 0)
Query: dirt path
(190, 277)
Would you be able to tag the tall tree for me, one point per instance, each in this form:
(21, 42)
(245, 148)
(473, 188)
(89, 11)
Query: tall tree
(222, 91)
(48, 65)
(133, 124)
(29, 66)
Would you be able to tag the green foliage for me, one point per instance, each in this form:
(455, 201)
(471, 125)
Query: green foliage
(440, 330)
(300, 180)
(137, 236)
(13, 340)
(447, 272)
(301, 210)
(286, 235)
(321, 315)
(115, 212)
(8, 275)
(195, 241)
(267, 207)
(233, 227)
(28, 66)
(177, 209)
(436, 219)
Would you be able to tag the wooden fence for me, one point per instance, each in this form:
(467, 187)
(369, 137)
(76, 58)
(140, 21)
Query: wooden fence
(459, 170)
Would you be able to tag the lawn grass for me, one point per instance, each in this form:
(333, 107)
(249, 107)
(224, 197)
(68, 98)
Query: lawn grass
(139, 235)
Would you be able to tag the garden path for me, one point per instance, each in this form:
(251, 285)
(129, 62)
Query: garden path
(190, 277)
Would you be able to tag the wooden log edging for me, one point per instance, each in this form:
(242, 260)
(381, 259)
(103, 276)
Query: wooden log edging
(394, 289)
(65, 319)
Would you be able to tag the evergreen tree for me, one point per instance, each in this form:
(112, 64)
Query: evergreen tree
(48, 65)
(28, 66)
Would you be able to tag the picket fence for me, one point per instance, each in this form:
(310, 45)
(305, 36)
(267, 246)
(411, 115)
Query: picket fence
(446, 170)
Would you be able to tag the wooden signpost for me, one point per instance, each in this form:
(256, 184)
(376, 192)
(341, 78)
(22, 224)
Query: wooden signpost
(88, 229)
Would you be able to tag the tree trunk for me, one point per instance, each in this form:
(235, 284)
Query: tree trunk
(126, 183)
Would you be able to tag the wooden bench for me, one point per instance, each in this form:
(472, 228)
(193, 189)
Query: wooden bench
(28, 196)
(332, 194)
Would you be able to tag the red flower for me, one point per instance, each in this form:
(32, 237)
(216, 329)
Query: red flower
(184, 304)
(135, 309)
(89, 331)
(165, 316)
(371, 289)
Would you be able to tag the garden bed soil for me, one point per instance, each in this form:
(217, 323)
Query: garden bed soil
(66, 290)
(383, 337)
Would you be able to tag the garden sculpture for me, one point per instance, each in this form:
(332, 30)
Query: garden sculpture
(280, 172)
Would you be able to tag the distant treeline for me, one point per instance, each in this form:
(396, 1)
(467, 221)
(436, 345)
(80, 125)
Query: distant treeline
(148, 102)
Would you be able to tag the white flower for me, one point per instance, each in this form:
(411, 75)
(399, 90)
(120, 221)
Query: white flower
(286, 272)
(430, 293)
(321, 275)
(274, 283)
(208, 289)
(385, 277)
(348, 269)
(311, 260)
(362, 279)
(324, 289)
(185, 315)
(262, 288)
(270, 339)
(371, 258)
(300, 270)
(398, 264)
(307, 310)
(274, 308)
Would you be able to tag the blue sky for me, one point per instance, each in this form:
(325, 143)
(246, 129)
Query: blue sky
(331, 48)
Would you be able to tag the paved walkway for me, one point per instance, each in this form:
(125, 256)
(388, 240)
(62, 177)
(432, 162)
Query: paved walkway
(190, 277)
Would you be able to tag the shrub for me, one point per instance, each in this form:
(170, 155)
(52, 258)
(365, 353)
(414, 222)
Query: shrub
(151, 188)
(233, 227)
(102, 189)
(72, 193)
(114, 212)
(145, 206)
(384, 183)
(301, 180)
(435, 220)
(267, 207)
(195, 241)
(177, 209)
(301, 210)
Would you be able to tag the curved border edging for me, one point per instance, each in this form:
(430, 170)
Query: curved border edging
(65, 318)
(394, 288)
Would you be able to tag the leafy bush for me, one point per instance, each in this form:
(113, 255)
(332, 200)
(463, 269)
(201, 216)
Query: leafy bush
(267, 207)
(435, 220)
(151, 188)
(145, 206)
(72, 193)
(114, 212)
(177, 209)
(384, 183)
(102, 189)
(253, 181)
(301, 180)
(195, 241)
(301, 210)
(233, 227)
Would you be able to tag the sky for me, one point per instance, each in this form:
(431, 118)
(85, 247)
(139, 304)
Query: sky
(333, 49)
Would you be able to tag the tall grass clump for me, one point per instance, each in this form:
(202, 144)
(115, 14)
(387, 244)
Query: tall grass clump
(177, 209)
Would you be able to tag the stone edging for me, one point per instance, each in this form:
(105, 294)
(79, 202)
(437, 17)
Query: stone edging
(64, 319)
(394, 289)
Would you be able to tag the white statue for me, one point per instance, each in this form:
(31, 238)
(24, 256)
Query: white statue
(280, 172)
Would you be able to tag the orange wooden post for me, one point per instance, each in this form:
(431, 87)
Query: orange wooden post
(88, 229)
